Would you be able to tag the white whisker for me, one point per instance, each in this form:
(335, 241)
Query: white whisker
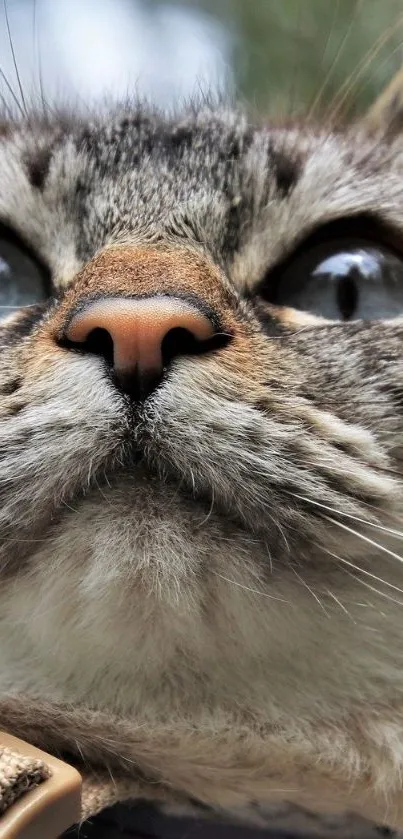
(248, 588)
(372, 588)
(339, 603)
(364, 538)
(311, 592)
(390, 530)
(363, 571)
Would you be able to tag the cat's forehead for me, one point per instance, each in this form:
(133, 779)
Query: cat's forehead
(243, 193)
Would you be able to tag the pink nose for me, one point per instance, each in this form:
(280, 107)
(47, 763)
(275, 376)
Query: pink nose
(139, 336)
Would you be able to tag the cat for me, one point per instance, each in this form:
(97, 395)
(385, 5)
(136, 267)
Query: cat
(201, 431)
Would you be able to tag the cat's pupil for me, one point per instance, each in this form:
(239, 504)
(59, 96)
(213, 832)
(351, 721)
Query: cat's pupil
(347, 295)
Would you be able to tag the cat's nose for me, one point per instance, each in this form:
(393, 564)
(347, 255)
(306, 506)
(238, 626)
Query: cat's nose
(139, 337)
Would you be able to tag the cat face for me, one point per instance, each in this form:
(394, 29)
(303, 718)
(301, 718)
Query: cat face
(171, 535)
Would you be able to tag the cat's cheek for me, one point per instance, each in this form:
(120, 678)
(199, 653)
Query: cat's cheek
(46, 362)
(52, 368)
(67, 384)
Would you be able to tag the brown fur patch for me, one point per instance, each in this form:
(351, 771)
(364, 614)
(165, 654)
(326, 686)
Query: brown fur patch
(129, 271)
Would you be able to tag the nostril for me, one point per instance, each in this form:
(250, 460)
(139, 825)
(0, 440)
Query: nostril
(98, 342)
(179, 341)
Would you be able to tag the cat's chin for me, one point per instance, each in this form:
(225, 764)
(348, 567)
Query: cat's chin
(154, 497)
(137, 475)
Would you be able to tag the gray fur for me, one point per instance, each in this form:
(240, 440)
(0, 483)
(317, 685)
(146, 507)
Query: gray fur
(180, 587)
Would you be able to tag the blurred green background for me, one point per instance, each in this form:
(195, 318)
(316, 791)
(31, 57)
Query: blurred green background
(286, 53)
(282, 57)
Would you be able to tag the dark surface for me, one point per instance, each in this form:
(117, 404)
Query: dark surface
(145, 822)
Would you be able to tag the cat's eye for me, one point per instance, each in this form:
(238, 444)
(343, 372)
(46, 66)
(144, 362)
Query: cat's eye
(22, 277)
(344, 280)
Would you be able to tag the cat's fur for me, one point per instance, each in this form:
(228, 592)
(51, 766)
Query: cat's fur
(189, 563)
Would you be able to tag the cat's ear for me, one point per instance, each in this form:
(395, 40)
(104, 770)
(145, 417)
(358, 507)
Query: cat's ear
(385, 116)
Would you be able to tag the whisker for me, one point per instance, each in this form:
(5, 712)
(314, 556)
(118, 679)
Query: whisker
(397, 533)
(363, 571)
(372, 588)
(11, 91)
(248, 588)
(339, 52)
(362, 66)
(310, 591)
(339, 603)
(38, 54)
(295, 71)
(378, 70)
(336, 10)
(24, 108)
(391, 515)
(364, 538)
